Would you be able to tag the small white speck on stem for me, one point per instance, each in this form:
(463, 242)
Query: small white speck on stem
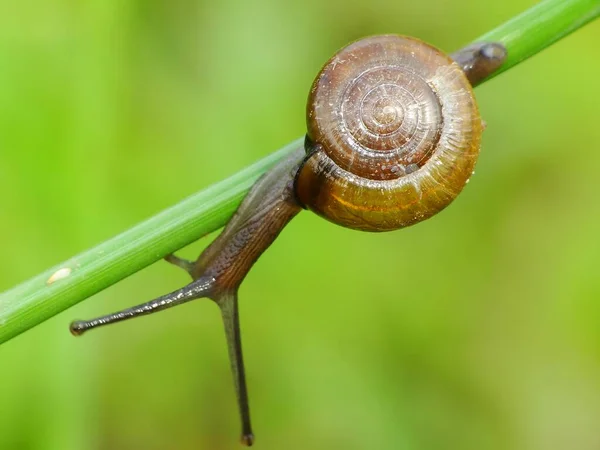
(60, 274)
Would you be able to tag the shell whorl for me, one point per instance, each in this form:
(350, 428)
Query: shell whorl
(394, 132)
(373, 109)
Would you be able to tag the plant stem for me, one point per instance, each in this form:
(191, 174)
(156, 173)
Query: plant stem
(36, 300)
(539, 27)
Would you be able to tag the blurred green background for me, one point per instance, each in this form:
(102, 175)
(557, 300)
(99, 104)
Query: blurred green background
(478, 329)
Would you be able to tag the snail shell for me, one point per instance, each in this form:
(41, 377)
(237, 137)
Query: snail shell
(393, 134)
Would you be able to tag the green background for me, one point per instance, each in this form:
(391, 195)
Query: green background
(478, 329)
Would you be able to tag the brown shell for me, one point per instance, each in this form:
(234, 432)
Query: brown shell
(395, 131)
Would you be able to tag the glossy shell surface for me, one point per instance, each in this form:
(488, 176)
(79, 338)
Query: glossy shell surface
(393, 131)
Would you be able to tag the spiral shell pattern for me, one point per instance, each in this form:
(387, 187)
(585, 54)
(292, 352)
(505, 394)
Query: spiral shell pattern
(393, 132)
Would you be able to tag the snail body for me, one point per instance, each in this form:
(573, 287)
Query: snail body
(393, 136)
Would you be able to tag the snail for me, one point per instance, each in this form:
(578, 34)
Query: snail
(393, 136)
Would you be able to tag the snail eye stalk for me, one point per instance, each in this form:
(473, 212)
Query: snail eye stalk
(196, 289)
(228, 304)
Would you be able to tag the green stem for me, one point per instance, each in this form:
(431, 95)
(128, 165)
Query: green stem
(34, 301)
(539, 27)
